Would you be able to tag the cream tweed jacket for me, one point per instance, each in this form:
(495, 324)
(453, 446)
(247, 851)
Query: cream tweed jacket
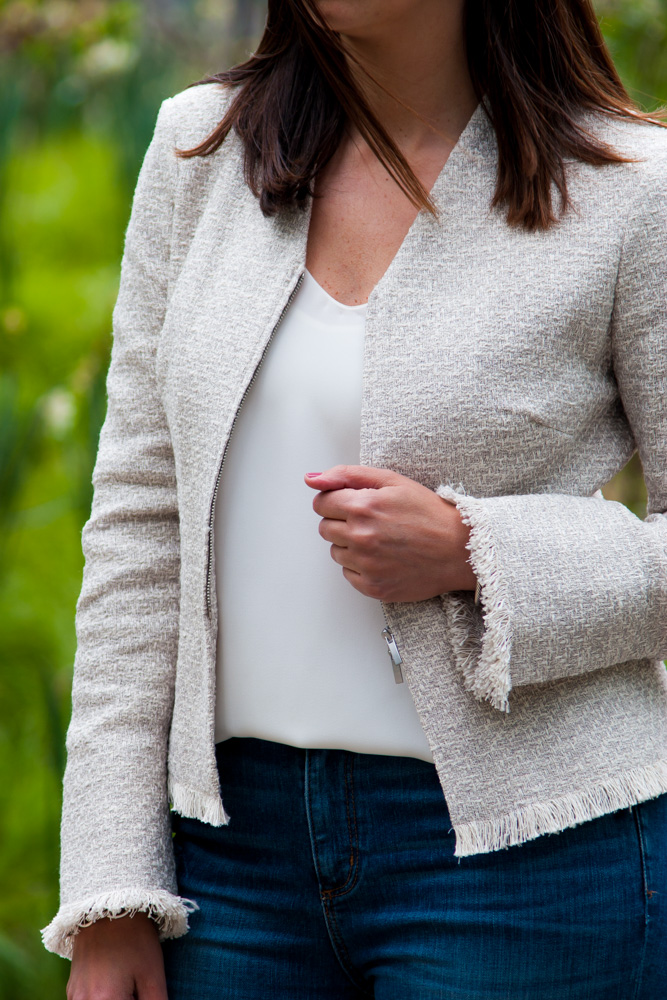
(513, 373)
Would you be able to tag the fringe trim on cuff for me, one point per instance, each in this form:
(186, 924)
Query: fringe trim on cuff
(169, 912)
(533, 821)
(483, 660)
(198, 805)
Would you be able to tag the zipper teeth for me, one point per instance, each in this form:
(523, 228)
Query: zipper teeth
(231, 429)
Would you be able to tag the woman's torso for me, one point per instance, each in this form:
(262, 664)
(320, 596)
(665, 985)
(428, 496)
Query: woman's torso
(300, 655)
(487, 363)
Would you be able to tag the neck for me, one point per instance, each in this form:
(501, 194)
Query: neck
(421, 60)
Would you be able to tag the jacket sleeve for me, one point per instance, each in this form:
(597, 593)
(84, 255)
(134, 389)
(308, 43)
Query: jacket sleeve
(116, 850)
(571, 584)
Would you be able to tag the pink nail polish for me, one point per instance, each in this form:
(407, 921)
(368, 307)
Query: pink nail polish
(313, 473)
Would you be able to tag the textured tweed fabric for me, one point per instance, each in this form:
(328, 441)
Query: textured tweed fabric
(513, 373)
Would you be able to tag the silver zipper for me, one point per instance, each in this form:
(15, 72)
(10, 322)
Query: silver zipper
(392, 649)
(224, 454)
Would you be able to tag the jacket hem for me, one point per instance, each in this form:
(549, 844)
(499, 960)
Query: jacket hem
(195, 804)
(555, 815)
(170, 913)
(484, 661)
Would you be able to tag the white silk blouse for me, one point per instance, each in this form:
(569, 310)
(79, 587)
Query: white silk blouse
(301, 658)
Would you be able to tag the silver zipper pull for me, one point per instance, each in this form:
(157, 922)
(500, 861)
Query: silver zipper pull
(394, 655)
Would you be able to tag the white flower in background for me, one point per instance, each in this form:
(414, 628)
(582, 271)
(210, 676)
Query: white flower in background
(58, 411)
(108, 58)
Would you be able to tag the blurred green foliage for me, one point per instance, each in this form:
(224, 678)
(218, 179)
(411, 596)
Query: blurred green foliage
(80, 84)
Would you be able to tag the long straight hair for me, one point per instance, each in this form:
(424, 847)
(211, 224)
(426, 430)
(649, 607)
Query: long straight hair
(538, 64)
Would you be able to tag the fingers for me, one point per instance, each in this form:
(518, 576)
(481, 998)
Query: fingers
(354, 578)
(344, 504)
(356, 562)
(352, 476)
(343, 556)
(363, 584)
(332, 530)
(336, 504)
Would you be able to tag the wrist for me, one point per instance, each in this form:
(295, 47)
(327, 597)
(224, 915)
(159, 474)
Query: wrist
(460, 574)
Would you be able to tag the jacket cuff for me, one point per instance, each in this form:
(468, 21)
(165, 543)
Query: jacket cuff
(170, 913)
(569, 584)
(479, 624)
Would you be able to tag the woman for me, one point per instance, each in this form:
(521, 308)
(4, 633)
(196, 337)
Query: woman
(464, 328)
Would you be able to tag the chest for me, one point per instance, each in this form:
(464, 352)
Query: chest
(486, 349)
(359, 219)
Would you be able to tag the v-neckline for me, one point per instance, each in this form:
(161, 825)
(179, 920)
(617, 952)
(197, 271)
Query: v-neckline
(472, 143)
(475, 141)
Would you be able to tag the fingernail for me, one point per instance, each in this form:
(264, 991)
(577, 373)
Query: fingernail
(313, 473)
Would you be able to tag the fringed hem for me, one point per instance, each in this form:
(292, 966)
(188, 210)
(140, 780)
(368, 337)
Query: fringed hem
(533, 821)
(169, 912)
(198, 805)
(484, 661)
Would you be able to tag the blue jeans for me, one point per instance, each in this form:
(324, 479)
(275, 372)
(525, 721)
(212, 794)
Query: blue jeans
(336, 878)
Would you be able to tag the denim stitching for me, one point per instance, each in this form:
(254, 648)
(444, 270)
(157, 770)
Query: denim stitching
(340, 946)
(353, 873)
(635, 810)
(337, 942)
(340, 890)
(313, 839)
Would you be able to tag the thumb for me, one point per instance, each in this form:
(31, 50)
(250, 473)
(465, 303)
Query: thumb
(355, 477)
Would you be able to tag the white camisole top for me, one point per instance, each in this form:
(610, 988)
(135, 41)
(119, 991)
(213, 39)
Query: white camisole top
(301, 658)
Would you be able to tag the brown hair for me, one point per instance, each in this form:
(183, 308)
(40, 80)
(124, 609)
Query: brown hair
(538, 63)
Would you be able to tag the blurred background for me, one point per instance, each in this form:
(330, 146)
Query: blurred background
(80, 85)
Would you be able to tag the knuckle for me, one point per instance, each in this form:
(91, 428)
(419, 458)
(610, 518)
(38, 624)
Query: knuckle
(357, 503)
(365, 538)
(374, 502)
(371, 499)
(352, 507)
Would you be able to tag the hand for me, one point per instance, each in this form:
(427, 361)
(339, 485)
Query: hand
(119, 959)
(395, 539)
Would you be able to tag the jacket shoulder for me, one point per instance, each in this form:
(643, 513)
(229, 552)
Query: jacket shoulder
(194, 112)
(642, 142)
